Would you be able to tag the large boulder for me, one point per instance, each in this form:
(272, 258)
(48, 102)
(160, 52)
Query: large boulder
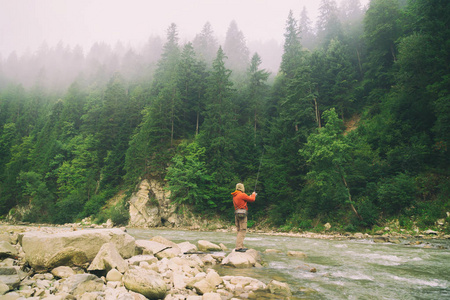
(108, 258)
(150, 247)
(208, 246)
(145, 282)
(250, 258)
(187, 247)
(49, 250)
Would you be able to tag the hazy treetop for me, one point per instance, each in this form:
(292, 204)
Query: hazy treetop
(26, 24)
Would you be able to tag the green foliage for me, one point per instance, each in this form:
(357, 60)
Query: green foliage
(396, 193)
(187, 176)
(120, 214)
(68, 208)
(327, 153)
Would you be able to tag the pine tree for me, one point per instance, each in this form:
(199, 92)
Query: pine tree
(306, 31)
(292, 48)
(328, 25)
(257, 90)
(217, 133)
(205, 44)
(235, 48)
(191, 84)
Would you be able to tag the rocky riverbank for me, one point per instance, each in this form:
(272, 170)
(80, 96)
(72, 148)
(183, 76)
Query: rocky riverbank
(65, 263)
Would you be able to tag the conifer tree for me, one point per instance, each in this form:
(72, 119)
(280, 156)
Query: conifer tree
(219, 129)
(306, 30)
(257, 92)
(205, 44)
(328, 24)
(235, 48)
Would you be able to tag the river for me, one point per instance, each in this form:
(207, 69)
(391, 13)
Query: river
(346, 269)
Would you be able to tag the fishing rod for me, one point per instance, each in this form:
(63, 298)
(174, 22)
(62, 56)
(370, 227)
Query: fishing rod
(259, 169)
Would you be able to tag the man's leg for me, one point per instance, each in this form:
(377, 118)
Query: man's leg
(241, 226)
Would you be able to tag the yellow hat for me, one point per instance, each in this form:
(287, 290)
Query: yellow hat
(240, 187)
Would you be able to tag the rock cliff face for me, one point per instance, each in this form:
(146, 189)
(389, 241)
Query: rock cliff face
(150, 206)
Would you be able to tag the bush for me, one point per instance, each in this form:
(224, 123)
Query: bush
(96, 202)
(369, 213)
(120, 214)
(350, 228)
(67, 209)
(397, 193)
(305, 224)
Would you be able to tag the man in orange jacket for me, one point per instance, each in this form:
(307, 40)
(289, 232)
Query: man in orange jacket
(240, 199)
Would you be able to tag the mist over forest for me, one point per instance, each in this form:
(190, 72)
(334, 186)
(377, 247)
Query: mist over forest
(346, 120)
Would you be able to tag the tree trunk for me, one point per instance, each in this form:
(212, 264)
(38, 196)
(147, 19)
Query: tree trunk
(255, 126)
(359, 62)
(196, 127)
(316, 108)
(349, 195)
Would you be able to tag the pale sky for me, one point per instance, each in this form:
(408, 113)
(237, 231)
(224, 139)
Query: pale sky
(26, 24)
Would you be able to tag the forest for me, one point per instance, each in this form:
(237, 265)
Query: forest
(352, 129)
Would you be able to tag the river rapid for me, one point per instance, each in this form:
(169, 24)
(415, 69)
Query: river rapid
(346, 269)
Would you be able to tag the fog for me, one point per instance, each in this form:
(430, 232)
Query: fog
(28, 23)
(28, 26)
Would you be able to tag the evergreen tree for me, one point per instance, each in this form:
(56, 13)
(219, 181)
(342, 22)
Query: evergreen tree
(328, 25)
(218, 132)
(235, 48)
(306, 30)
(191, 84)
(257, 93)
(381, 30)
(292, 48)
(205, 44)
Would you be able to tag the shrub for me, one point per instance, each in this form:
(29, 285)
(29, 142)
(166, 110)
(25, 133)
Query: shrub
(120, 214)
(369, 213)
(397, 193)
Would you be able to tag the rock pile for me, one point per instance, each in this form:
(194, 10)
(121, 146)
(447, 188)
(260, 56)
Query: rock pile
(110, 264)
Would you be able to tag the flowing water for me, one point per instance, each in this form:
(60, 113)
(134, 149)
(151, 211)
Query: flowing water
(346, 269)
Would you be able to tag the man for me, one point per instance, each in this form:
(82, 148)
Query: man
(240, 199)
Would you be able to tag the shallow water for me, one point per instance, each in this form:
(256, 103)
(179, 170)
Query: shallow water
(348, 269)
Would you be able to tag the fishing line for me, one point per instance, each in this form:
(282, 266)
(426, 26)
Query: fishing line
(259, 169)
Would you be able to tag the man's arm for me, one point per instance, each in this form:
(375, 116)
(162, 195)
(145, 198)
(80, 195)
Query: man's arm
(250, 198)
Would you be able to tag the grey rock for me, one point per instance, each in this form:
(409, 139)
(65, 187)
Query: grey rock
(203, 286)
(145, 282)
(7, 250)
(187, 247)
(47, 250)
(247, 259)
(208, 246)
(108, 258)
(149, 247)
(4, 288)
(211, 296)
(279, 288)
(297, 254)
(63, 272)
(114, 275)
(10, 276)
(137, 259)
(79, 284)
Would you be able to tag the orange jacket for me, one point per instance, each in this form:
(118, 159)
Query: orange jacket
(240, 199)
